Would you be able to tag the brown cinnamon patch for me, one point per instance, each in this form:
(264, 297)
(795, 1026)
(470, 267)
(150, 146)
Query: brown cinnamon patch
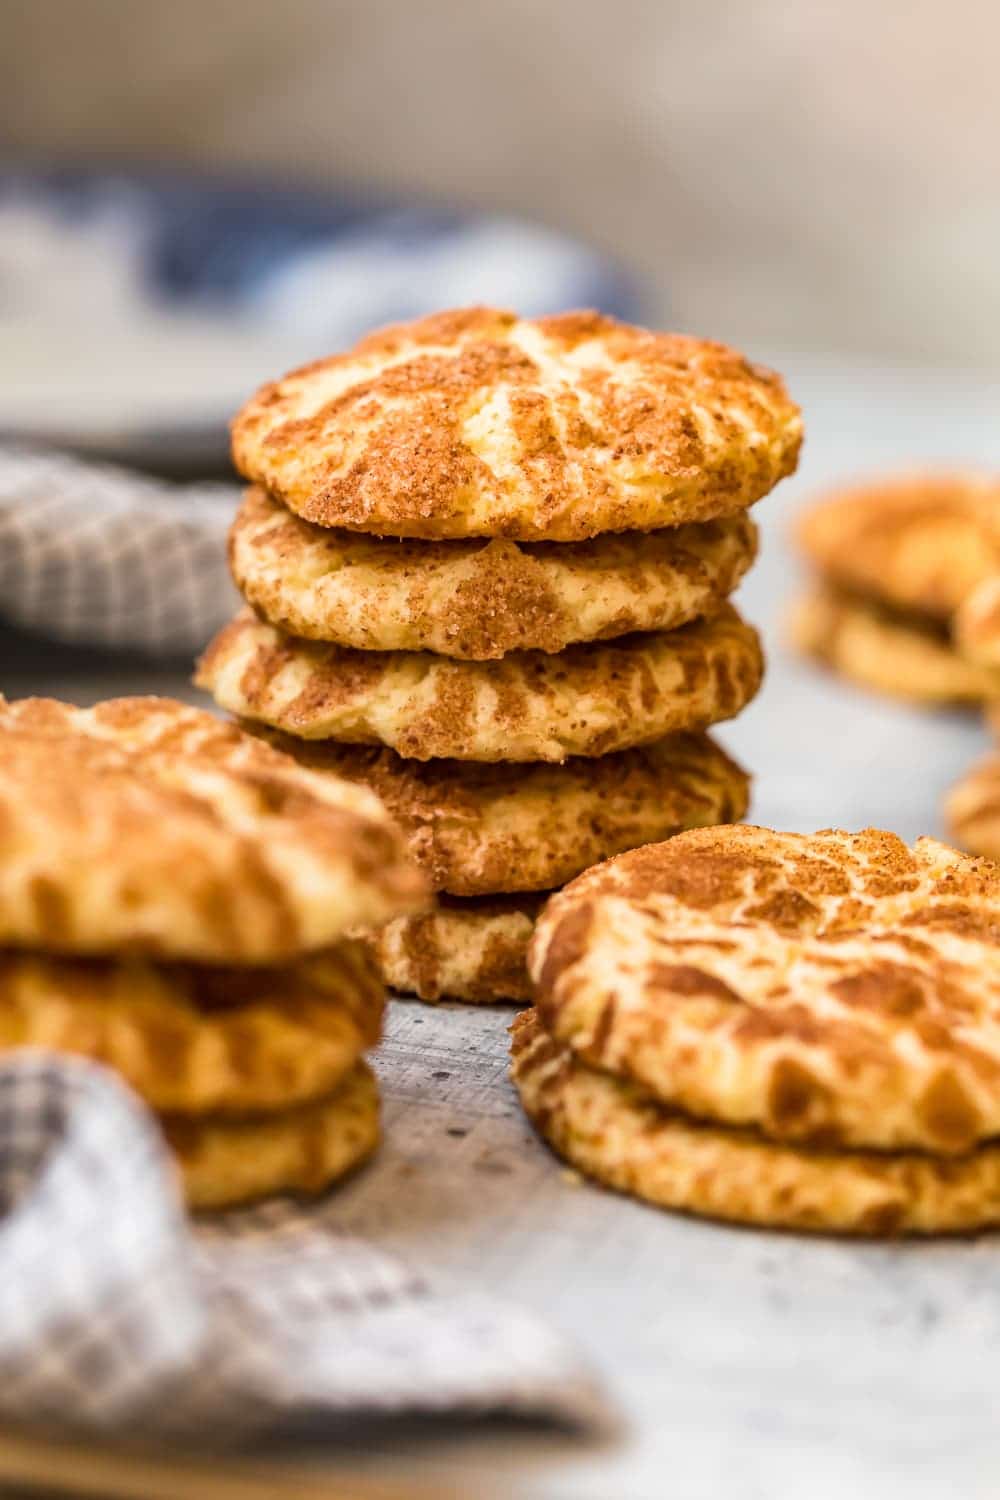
(796, 1099)
(686, 979)
(950, 1115)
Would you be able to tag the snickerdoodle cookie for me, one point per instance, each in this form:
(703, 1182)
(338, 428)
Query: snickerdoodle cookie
(476, 598)
(478, 423)
(587, 700)
(619, 1134)
(485, 829)
(832, 990)
(147, 826)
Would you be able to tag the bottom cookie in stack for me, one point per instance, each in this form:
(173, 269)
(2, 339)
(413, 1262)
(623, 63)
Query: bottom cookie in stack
(225, 1161)
(173, 899)
(776, 1029)
(473, 949)
(496, 839)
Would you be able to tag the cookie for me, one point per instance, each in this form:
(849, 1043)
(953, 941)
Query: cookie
(886, 652)
(225, 1161)
(478, 423)
(588, 700)
(972, 809)
(479, 599)
(834, 989)
(976, 627)
(146, 826)
(479, 829)
(197, 1039)
(922, 542)
(614, 1132)
(461, 950)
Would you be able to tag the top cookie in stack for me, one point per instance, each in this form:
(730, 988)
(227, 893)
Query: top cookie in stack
(478, 538)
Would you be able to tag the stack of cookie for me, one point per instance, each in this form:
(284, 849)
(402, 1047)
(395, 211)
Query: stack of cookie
(174, 898)
(776, 1029)
(488, 562)
(898, 566)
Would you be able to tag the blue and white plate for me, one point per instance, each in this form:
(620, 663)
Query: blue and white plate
(138, 310)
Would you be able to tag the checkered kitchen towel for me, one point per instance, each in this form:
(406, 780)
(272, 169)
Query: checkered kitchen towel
(98, 556)
(115, 1312)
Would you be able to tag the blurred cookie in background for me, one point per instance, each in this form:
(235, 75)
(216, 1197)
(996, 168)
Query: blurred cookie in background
(176, 903)
(977, 624)
(921, 542)
(972, 807)
(888, 652)
(896, 563)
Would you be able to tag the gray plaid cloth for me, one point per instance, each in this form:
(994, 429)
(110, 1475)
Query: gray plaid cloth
(99, 556)
(115, 1313)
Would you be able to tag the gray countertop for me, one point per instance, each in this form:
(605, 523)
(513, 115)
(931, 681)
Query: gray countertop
(740, 1363)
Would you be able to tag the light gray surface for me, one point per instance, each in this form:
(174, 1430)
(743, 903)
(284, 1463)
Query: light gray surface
(751, 1365)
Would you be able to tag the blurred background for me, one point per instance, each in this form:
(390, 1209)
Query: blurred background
(783, 174)
(196, 196)
(785, 171)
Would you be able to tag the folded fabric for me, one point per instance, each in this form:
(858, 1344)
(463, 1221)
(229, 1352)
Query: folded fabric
(116, 1313)
(98, 556)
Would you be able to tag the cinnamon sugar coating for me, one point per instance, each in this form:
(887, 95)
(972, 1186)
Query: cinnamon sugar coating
(473, 950)
(479, 599)
(199, 1039)
(833, 990)
(145, 826)
(588, 700)
(620, 1135)
(477, 423)
(480, 830)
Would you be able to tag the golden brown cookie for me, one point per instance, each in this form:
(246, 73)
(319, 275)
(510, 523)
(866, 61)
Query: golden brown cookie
(587, 700)
(195, 1039)
(833, 989)
(225, 1161)
(480, 830)
(146, 826)
(462, 950)
(478, 423)
(479, 599)
(921, 542)
(886, 652)
(976, 627)
(972, 809)
(616, 1133)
